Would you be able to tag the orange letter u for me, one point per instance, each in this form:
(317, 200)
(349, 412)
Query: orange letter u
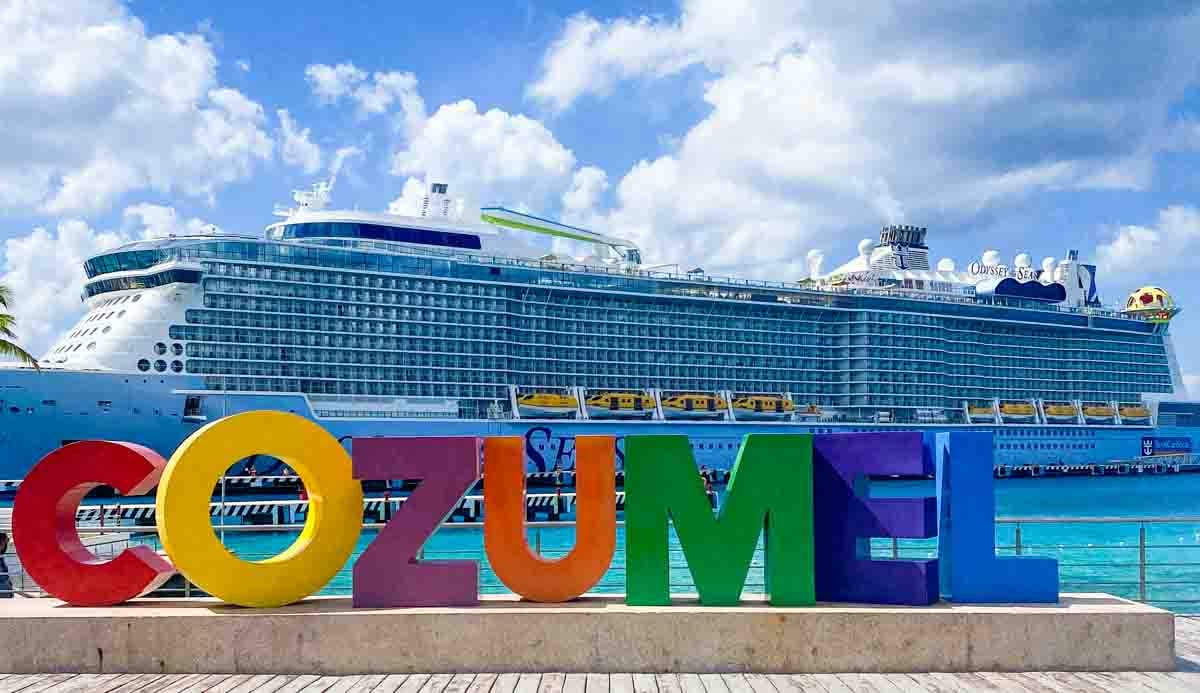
(515, 564)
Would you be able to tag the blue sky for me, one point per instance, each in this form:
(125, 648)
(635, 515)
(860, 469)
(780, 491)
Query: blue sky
(745, 137)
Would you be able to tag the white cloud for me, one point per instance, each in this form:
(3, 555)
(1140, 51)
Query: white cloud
(94, 107)
(1192, 383)
(491, 157)
(342, 157)
(587, 185)
(1173, 243)
(298, 149)
(411, 195)
(373, 94)
(331, 82)
(148, 220)
(822, 120)
(44, 268)
(593, 56)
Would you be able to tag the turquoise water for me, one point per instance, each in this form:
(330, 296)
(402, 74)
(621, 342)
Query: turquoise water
(1093, 556)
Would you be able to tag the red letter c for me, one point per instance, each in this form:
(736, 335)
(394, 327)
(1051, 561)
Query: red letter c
(44, 532)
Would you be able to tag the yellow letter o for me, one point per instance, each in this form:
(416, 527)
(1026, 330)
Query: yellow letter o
(330, 533)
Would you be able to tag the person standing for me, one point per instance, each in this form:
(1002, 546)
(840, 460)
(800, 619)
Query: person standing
(6, 589)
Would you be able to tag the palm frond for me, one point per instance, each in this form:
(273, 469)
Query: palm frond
(8, 343)
(8, 348)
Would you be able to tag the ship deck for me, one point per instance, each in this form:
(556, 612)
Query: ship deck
(1186, 677)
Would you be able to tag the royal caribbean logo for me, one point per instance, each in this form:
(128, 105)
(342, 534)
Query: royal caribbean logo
(1176, 445)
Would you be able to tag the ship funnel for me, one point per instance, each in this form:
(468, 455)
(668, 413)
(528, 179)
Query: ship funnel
(435, 202)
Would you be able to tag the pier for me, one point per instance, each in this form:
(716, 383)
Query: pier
(1183, 681)
(1155, 464)
(596, 634)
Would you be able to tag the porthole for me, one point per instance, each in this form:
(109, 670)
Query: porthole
(177, 349)
(160, 365)
(137, 297)
(106, 329)
(91, 346)
(177, 366)
(121, 314)
(144, 365)
(160, 348)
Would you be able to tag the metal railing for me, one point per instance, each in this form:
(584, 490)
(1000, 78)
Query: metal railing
(1149, 559)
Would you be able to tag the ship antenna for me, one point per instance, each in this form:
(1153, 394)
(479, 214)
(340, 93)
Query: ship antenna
(312, 200)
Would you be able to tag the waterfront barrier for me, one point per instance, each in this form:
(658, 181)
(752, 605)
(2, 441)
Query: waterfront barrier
(1155, 560)
(538, 506)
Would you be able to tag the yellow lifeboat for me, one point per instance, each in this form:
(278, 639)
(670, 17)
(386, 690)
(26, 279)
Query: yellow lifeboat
(693, 406)
(762, 407)
(620, 405)
(1061, 412)
(1017, 411)
(1098, 413)
(1134, 413)
(981, 413)
(548, 404)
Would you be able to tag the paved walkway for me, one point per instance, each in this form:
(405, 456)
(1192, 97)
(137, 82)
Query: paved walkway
(1186, 679)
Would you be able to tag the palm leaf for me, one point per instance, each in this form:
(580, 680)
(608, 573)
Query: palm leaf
(8, 348)
(8, 344)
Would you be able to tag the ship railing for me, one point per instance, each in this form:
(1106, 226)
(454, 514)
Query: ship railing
(801, 288)
(1149, 559)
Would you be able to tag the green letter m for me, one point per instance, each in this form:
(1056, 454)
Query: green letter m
(770, 491)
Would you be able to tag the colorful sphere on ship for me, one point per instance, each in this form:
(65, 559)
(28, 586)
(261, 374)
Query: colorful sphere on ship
(1151, 303)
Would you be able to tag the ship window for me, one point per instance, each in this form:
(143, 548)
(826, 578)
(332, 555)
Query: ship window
(137, 297)
(177, 349)
(160, 348)
(91, 346)
(144, 365)
(160, 365)
(177, 366)
(106, 329)
(377, 232)
(159, 279)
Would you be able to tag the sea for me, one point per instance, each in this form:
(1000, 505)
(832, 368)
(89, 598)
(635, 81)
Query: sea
(1133, 536)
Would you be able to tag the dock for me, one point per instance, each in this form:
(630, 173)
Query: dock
(1185, 678)
(597, 633)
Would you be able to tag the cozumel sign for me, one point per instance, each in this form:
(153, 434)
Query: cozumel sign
(802, 493)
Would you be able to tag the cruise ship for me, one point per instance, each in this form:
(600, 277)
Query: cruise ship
(377, 324)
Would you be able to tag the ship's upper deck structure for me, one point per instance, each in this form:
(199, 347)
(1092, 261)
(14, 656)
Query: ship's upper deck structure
(356, 304)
